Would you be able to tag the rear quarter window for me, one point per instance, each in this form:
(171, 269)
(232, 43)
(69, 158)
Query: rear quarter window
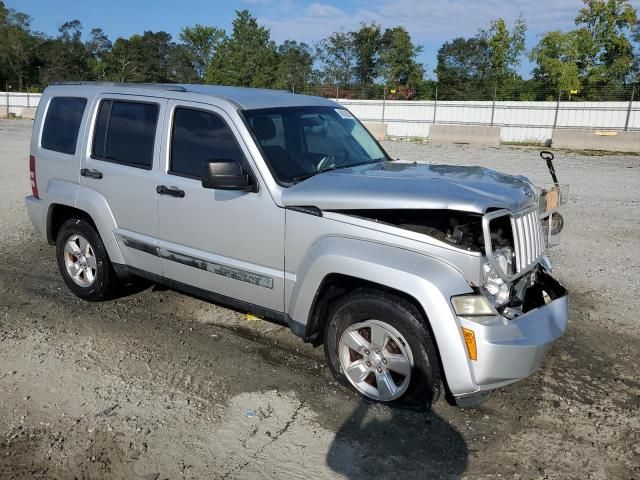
(125, 133)
(62, 124)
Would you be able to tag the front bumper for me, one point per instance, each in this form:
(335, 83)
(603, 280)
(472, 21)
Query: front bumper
(510, 350)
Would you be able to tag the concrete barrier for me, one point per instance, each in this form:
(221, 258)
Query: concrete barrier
(474, 135)
(29, 113)
(377, 129)
(610, 140)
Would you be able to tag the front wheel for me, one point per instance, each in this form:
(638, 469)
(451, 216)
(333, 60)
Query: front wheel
(378, 344)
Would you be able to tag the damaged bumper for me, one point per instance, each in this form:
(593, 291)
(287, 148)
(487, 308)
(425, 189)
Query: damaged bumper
(512, 349)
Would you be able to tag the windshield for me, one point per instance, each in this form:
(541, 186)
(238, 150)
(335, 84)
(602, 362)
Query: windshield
(299, 142)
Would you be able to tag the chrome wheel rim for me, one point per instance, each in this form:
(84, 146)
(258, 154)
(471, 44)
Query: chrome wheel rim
(376, 359)
(80, 260)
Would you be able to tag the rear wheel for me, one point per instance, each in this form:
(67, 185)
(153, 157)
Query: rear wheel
(83, 261)
(378, 345)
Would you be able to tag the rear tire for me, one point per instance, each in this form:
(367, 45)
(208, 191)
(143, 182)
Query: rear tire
(83, 261)
(379, 345)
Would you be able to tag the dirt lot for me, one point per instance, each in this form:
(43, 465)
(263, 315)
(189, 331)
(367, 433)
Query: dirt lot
(160, 385)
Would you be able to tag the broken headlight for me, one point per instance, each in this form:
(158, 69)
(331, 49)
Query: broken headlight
(498, 291)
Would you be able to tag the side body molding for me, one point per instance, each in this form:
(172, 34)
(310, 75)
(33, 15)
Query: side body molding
(97, 207)
(430, 281)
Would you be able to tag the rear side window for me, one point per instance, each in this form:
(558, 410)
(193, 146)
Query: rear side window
(198, 137)
(61, 127)
(125, 132)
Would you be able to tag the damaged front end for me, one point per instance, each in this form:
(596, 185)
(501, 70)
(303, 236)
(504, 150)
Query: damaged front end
(512, 244)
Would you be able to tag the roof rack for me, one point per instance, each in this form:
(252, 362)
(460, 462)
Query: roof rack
(156, 86)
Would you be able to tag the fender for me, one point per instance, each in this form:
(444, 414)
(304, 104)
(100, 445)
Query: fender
(92, 202)
(430, 281)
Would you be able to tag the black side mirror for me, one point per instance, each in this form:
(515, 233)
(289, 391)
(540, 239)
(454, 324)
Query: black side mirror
(226, 175)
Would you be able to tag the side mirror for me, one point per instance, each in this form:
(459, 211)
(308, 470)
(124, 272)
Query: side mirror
(226, 175)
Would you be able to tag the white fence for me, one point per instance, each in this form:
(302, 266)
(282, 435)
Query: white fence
(13, 103)
(529, 122)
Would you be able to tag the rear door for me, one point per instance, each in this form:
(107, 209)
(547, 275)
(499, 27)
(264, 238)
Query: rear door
(227, 242)
(121, 166)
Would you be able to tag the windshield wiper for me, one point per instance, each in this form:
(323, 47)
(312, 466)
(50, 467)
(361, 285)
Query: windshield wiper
(331, 168)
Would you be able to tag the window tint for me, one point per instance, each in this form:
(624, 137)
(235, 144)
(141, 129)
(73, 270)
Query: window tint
(125, 132)
(61, 127)
(199, 137)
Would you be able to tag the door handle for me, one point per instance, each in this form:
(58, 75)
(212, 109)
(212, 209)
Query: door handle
(85, 172)
(171, 191)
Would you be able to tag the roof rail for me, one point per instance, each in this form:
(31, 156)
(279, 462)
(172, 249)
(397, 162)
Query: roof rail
(158, 86)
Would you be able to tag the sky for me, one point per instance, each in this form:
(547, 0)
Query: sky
(430, 22)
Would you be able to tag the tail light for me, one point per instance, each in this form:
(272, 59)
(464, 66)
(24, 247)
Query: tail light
(32, 175)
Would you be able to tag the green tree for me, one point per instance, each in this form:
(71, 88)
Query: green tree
(464, 69)
(398, 59)
(505, 47)
(612, 24)
(18, 47)
(150, 57)
(337, 55)
(98, 47)
(367, 42)
(65, 57)
(559, 59)
(295, 63)
(247, 58)
(201, 43)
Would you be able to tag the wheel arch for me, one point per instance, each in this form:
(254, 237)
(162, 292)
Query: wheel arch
(92, 207)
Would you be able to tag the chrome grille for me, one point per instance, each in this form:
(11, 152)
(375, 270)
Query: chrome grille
(528, 238)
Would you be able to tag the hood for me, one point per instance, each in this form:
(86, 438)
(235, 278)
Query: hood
(402, 185)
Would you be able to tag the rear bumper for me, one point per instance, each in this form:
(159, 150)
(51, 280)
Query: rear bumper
(37, 211)
(510, 350)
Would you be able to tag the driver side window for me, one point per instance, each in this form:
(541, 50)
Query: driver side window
(198, 136)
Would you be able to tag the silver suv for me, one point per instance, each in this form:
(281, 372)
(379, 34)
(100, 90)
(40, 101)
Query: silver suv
(419, 279)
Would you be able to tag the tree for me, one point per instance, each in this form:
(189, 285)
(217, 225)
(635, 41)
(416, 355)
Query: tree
(295, 62)
(559, 60)
(247, 58)
(98, 46)
(367, 42)
(337, 55)
(18, 46)
(505, 47)
(150, 57)
(65, 57)
(611, 24)
(398, 54)
(463, 68)
(201, 43)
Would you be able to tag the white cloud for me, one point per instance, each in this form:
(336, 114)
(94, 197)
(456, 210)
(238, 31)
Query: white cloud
(426, 20)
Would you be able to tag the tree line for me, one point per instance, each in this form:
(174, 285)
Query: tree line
(600, 55)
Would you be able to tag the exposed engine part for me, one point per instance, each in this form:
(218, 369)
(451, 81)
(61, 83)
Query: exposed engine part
(462, 229)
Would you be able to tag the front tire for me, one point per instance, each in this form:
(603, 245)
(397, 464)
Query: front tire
(83, 261)
(378, 344)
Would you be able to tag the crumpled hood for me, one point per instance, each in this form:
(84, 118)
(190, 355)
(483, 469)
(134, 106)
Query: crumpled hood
(402, 185)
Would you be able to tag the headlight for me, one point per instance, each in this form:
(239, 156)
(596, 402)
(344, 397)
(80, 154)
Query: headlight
(498, 291)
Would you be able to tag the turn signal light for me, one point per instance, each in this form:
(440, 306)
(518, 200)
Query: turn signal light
(470, 340)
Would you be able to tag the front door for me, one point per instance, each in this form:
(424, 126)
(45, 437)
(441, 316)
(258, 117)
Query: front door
(227, 242)
(121, 167)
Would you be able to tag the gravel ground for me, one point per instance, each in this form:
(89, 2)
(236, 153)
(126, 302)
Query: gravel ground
(160, 385)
